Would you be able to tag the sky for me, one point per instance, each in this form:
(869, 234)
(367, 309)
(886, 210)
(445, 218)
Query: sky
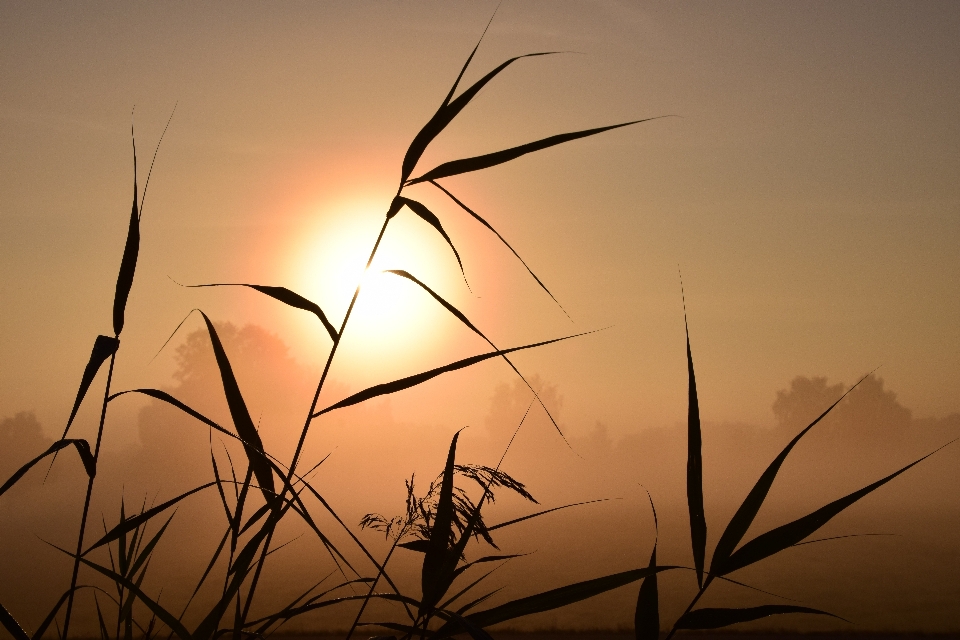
(804, 183)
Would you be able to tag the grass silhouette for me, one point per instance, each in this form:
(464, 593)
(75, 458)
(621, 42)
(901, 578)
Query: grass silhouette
(439, 524)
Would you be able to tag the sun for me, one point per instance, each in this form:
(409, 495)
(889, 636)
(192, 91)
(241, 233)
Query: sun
(394, 323)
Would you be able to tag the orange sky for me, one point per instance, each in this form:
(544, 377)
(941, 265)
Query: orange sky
(808, 192)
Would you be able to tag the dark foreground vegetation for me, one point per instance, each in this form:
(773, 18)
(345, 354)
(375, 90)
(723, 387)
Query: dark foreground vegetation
(442, 522)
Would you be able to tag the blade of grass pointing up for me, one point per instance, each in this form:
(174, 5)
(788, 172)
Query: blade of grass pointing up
(477, 163)
(507, 244)
(748, 510)
(698, 521)
(103, 348)
(241, 416)
(285, 296)
(776, 540)
(450, 110)
(128, 264)
(414, 380)
(435, 557)
(646, 618)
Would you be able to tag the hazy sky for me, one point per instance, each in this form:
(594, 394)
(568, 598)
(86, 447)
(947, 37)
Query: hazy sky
(808, 191)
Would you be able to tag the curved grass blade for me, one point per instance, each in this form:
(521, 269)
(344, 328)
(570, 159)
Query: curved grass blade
(103, 348)
(285, 296)
(462, 318)
(540, 513)
(507, 244)
(169, 399)
(130, 524)
(743, 518)
(714, 618)
(291, 613)
(466, 589)
(414, 380)
(83, 449)
(477, 163)
(553, 599)
(435, 557)
(430, 218)
(698, 521)
(241, 416)
(104, 634)
(776, 540)
(450, 110)
(11, 625)
(646, 617)
(165, 616)
(128, 264)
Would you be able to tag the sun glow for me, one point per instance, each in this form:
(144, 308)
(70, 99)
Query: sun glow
(393, 321)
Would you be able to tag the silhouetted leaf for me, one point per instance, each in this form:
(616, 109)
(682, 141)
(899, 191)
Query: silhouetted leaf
(698, 521)
(412, 381)
(10, 624)
(646, 617)
(710, 618)
(103, 348)
(434, 222)
(285, 296)
(128, 264)
(476, 163)
(540, 513)
(507, 244)
(129, 524)
(420, 546)
(450, 110)
(241, 416)
(83, 449)
(435, 557)
(747, 511)
(776, 540)
(462, 318)
(104, 634)
(553, 599)
(169, 399)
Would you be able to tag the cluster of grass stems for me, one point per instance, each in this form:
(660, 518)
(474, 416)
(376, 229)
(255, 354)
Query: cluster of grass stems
(439, 525)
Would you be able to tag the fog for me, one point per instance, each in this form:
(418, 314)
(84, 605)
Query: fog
(905, 579)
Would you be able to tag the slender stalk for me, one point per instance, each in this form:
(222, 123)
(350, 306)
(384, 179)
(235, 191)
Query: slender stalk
(306, 425)
(86, 502)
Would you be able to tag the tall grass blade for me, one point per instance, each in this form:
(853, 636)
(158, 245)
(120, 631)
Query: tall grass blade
(748, 510)
(430, 218)
(450, 110)
(144, 555)
(646, 617)
(285, 296)
(414, 380)
(83, 449)
(130, 524)
(104, 634)
(103, 348)
(11, 625)
(714, 618)
(698, 521)
(503, 240)
(241, 416)
(436, 554)
(477, 163)
(128, 264)
(776, 540)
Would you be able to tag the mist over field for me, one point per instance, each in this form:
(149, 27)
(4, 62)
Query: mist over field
(904, 580)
